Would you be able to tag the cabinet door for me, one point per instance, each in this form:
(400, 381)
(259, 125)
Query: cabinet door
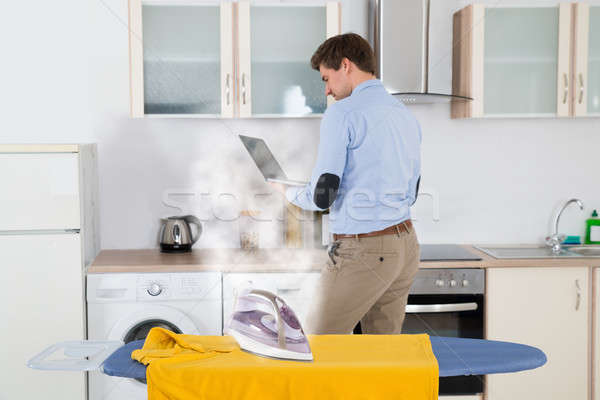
(580, 73)
(513, 61)
(520, 61)
(181, 58)
(40, 191)
(587, 61)
(547, 308)
(596, 334)
(276, 43)
(41, 303)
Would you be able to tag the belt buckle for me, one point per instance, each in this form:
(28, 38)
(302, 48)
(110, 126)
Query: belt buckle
(404, 228)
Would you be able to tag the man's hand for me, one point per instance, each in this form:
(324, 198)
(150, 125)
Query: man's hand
(278, 187)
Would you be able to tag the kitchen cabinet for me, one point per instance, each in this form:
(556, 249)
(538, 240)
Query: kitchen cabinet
(296, 288)
(586, 96)
(181, 58)
(596, 334)
(525, 61)
(230, 59)
(48, 224)
(593, 72)
(548, 308)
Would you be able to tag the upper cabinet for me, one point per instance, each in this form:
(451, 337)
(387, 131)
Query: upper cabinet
(197, 59)
(587, 60)
(181, 60)
(526, 61)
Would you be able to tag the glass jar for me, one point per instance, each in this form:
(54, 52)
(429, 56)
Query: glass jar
(248, 225)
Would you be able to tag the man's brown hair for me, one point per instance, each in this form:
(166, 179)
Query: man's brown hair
(350, 45)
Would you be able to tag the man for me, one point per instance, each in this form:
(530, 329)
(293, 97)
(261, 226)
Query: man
(367, 173)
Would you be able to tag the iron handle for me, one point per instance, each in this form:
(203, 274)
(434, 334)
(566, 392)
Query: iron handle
(566, 89)
(580, 88)
(440, 308)
(289, 290)
(578, 301)
(273, 300)
(227, 89)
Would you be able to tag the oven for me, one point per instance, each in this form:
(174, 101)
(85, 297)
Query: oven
(448, 302)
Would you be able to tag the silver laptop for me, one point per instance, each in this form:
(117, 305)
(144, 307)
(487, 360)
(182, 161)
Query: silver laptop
(266, 162)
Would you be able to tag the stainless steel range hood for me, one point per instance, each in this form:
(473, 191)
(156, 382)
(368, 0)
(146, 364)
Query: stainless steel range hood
(402, 51)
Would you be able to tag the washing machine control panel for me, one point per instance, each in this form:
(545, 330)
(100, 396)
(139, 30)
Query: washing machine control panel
(178, 286)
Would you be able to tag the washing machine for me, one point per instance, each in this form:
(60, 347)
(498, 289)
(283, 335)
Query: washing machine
(125, 306)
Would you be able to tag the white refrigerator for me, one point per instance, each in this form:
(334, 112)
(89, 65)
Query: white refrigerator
(48, 234)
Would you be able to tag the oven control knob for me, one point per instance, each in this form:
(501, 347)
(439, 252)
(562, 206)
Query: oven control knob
(465, 283)
(453, 283)
(154, 289)
(439, 283)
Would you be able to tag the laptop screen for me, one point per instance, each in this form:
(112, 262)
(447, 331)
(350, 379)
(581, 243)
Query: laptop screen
(266, 163)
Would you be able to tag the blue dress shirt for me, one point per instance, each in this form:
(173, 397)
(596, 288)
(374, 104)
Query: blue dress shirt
(371, 141)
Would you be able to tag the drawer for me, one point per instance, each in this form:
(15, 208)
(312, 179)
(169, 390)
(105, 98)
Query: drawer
(39, 191)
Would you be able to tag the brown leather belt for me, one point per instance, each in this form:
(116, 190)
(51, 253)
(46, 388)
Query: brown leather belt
(403, 226)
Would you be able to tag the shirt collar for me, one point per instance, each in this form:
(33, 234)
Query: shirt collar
(366, 84)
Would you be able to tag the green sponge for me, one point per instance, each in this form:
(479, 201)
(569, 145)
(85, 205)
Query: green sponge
(572, 240)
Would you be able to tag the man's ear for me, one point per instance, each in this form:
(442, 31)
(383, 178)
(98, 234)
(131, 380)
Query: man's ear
(346, 64)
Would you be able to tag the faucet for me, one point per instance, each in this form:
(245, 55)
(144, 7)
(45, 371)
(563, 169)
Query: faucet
(555, 240)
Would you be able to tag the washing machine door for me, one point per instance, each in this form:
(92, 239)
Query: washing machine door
(136, 325)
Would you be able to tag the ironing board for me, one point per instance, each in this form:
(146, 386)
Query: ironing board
(455, 356)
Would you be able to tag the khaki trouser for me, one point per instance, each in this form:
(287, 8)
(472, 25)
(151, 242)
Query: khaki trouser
(369, 282)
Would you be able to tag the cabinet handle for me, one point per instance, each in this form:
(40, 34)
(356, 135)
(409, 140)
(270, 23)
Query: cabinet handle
(566, 89)
(227, 89)
(244, 89)
(580, 88)
(578, 301)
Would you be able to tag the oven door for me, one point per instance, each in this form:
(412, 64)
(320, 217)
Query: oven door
(450, 315)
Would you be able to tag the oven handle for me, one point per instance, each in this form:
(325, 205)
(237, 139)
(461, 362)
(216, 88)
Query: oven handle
(438, 308)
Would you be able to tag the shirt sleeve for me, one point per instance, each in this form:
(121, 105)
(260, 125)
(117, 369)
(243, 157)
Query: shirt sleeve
(331, 158)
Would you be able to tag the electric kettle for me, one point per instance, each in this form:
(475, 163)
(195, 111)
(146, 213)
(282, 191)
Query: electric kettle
(176, 234)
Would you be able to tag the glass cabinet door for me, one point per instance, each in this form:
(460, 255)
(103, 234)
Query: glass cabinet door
(282, 41)
(181, 53)
(593, 72)
(520, 61)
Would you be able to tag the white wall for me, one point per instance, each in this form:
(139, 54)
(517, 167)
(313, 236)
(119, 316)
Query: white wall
(64, 78)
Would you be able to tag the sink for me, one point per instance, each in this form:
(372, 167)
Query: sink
(585, 251)
(526, 252)
(541, 252)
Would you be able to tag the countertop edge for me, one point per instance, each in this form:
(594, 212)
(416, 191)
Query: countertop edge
(236, 260)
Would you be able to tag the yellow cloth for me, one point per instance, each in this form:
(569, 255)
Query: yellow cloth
(162, 343)
(377, 367)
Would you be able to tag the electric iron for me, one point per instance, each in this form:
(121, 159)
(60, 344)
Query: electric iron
(263, 324)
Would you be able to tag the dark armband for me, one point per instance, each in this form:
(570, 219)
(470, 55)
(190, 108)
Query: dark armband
(326, 190)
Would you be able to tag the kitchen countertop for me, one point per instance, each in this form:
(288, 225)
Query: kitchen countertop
(282, 260)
